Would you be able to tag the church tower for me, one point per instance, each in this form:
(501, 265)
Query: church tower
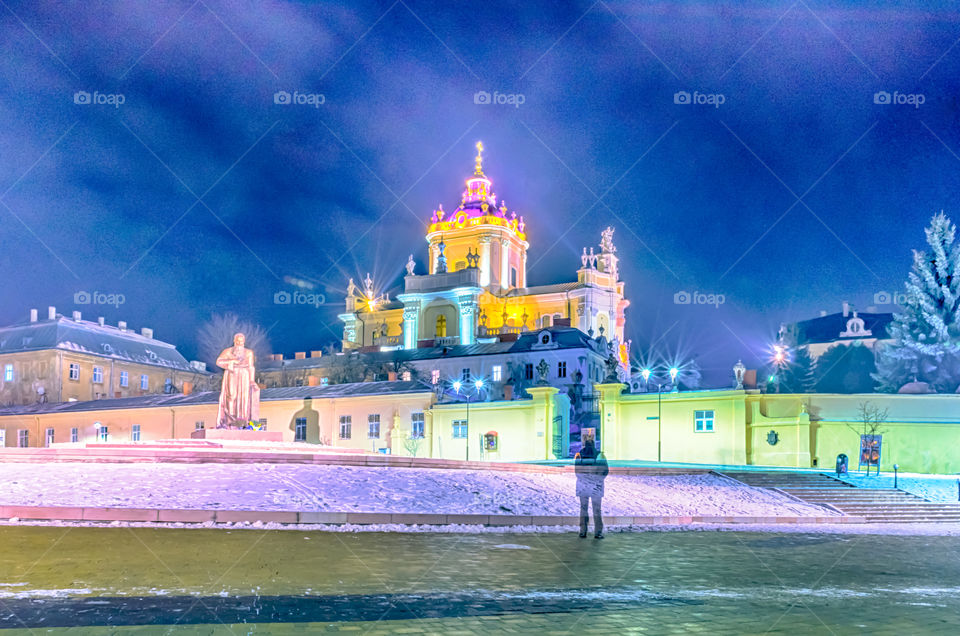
(481, 230)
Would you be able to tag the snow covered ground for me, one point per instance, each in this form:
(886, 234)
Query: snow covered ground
(367, 489)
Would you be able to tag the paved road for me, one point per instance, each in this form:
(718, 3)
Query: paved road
(149, 581)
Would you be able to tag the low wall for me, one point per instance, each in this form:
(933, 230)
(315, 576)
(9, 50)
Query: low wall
(50, 513)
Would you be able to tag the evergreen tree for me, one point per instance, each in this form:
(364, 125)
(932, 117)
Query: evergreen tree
(797, 376)
(926, 332)
(845, 369)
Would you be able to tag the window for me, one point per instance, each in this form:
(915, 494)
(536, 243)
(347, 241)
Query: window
(435, 376)
(561, 369)
(263, 423)
(528, 371)
(406, 376)
(513, 276)
(104, 434)
(135, 433)
(49, 437)
(703, 421)
(98, 375)
(416, 425)
(441, 327)
(346, 424)
(8, 373)
(3, 437)
(497, 374)
(198, 426)
(74, 371)
(124, 379)
(74, 435)
(373, 426)
(459, 429)
(300, 430)
(465, 375)
(168, 385)
(324, 381)
(144, 383)
(23, 438)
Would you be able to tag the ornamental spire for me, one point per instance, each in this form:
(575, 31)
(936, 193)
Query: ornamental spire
(478, 162)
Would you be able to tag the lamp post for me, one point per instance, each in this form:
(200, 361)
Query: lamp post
(896, 467)
(478, 385)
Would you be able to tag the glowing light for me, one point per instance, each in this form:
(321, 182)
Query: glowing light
(646, 374)
(457, 385)
(673, 373)
(478, 384)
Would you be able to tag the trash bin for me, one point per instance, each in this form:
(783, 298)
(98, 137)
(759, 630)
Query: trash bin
(842, 463)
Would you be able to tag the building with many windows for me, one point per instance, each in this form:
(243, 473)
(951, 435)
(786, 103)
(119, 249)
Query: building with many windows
(475, 288)
(63, 359)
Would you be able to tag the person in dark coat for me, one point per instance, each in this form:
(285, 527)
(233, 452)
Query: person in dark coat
(591, 469)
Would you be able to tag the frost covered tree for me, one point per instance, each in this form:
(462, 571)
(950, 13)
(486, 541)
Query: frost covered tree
(926, 333)
(217, 334)
(798, 374)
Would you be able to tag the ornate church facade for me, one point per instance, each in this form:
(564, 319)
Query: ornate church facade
(475, 289)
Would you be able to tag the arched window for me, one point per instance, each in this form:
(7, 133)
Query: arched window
(441, 326)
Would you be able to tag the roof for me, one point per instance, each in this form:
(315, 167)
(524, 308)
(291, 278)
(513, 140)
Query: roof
(828, 328)
(213, 397)
(84, 336)
(564, 337)
(557, 288)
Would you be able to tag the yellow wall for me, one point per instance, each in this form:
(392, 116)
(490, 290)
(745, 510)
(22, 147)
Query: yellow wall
(680, 442)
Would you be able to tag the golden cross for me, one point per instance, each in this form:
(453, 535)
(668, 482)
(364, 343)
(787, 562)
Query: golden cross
(478, 171)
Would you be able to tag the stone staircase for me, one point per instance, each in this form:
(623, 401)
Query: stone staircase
(876, 505)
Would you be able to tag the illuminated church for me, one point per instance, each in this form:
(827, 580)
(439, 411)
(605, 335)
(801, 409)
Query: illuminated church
(476, 291)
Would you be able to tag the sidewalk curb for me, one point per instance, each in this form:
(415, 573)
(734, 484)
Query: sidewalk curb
(58, 513)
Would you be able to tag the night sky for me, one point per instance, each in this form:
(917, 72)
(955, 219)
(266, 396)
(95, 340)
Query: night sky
(199, 194)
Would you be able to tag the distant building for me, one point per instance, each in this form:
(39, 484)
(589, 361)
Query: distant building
(63, 359)
(844, 328)
(475, 290)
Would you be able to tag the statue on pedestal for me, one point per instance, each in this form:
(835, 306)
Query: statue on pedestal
(239, 393)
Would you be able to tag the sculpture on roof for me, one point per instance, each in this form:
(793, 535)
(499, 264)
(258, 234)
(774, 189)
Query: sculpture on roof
(410, 265)
(239, 392)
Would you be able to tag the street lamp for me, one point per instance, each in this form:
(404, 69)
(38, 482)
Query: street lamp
(896, 467)
(478, 386)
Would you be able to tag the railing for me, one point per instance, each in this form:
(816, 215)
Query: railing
(446, 341)
(469, 277)
(497, 331)
(388, 341)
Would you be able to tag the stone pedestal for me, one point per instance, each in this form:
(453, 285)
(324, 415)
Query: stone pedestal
(237, 434)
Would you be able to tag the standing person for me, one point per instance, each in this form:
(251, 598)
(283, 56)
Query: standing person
(591, 469)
